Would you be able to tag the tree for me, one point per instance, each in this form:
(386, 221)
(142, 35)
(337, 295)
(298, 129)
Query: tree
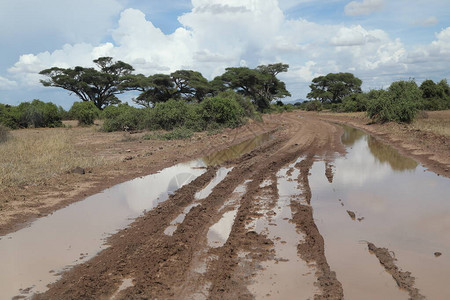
(435, 96)
(154, 88)
(191, 85)
(261, 84)
(99, 86)
(333, 87)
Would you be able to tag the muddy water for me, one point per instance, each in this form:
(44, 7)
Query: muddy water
(30, 258)
(236, 150)
(286, 276)
(33, 257)
(400, 206)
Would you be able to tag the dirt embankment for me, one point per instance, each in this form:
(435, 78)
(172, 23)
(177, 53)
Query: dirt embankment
(427, 139)
(167, 267)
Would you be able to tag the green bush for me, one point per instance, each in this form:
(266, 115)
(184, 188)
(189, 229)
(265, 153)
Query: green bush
(314, 105)
(10, 116)
(39, 114)
(85, 112)
(353, 103)
(174, 113)
(222, 110)
(179, 133)
(123, 117)
(4, 133)
(400, 103)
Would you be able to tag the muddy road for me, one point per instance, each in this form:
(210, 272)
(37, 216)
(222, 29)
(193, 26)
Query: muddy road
(289, 215)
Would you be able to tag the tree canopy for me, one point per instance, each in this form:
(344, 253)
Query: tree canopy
(99, 86)
(261, 84)
(333, 87)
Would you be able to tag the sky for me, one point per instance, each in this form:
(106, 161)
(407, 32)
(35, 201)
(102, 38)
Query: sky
(379, 41)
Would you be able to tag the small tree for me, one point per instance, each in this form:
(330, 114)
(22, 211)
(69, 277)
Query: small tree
(333, 87)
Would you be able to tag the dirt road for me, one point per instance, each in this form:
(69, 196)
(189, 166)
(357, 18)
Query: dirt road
(163, 266)
(246, 229)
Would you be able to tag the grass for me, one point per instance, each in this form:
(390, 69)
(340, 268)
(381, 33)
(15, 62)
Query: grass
(30, 156)
(176, 134)
(4, 134)
(437, 122)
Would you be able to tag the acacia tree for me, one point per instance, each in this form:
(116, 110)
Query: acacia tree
(333, 87)
(191, 85)
(99, 86)
(154, 88)
(261, 84)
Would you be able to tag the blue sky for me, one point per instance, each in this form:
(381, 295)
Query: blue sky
(380, 41)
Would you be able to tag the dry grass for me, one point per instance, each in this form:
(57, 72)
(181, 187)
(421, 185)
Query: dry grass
(437, 122)
(32, 155)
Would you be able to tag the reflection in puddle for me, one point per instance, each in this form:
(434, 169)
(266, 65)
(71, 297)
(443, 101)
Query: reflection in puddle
(237, 150)
(220, 175)
(219, 232)
(76, 233)
(287, 276)
(404, 208)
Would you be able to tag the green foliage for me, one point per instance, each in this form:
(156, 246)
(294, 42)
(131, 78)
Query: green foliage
(353, 103)
(222, 110)
(260, 85)
(4, 134)
(179, 133)
(435, 96)
(171, 114)
(99, 86)
(123, 117)
(333, 87)
(84, 112)
(191, 85)
(154, 88)
(314, 105)
(10, 116)
(399, 103)
(39, 114)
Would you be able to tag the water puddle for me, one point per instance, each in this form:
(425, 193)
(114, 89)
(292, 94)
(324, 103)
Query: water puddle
(219, 232)
(220, 175)
(237, 150)
(33, 257)
(397, 204)
(287, 276)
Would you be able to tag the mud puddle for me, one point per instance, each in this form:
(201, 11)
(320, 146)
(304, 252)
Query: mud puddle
(286, 276)
(34, 257)
(237, 150)
(379, 196)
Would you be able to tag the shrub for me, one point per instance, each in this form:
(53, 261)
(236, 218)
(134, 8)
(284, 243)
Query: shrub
(353, 103)
(4, 133)
(123, 117)
(223, 110)
(314, 105)
(39, 114)
(9, 116)
(174, 113)
(399, 103)
(85, 112)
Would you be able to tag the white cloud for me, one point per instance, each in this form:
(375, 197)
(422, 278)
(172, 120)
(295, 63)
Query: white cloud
(212, 38)
(365, 7)
(6, 84)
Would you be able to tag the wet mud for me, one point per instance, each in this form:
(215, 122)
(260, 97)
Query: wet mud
(271, 222)
(403, 279)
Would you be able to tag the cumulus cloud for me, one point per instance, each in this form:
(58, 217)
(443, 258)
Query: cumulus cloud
(366, 7)
(6, 84)
(212, 38)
